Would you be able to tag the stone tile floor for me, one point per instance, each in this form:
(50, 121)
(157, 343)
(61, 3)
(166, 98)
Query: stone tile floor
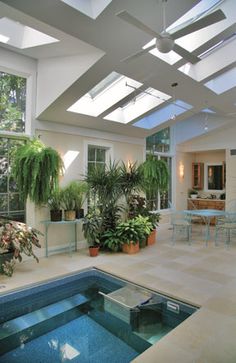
(204, 276)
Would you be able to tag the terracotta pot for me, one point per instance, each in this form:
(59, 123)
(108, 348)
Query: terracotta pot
(152, 237)
(130, 248)
(69, 215)
(143, 243)
(56, 215)
(93, 251)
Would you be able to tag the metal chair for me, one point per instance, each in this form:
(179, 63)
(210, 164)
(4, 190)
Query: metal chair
(227, 226)
(181, 223)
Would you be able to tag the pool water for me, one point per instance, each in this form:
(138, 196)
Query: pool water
(89, 317)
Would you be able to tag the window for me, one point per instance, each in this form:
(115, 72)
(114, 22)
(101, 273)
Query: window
(11, 205)
(12, 102)
(159, 144)
(96, 159)
(215, 177)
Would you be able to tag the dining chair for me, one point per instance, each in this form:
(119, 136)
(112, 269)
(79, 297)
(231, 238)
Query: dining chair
(182, 226)
(227, 226)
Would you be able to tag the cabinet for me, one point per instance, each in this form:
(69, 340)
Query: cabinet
(197, 175)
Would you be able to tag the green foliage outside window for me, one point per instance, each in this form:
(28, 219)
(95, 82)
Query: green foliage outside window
(12, 102)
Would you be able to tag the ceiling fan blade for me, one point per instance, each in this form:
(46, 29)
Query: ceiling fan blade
(124, 15)
(210, 19)
(138, 54)
(185, 54)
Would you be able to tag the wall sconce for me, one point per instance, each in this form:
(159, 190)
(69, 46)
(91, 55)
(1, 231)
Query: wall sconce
(129, 164)
(181, 170)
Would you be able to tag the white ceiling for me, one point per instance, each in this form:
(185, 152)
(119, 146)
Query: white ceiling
(111, 36)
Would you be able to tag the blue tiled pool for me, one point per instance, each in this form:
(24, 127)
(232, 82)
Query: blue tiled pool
(89, 316)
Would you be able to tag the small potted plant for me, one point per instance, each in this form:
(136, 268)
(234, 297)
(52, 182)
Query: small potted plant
(79, 188)
(193, 193)
(16, 238)
(145, 229)
(111, 240)
(68, 202)
(129, 233)
(154, 219)
(55, 203)
(91, 227)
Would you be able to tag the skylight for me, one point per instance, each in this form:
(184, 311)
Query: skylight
(139, 105)
(223, 83)
(91, 8)
(105, 94)
(164, 114)
(22, 36)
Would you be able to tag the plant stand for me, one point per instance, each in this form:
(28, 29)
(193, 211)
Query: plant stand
(130, 248)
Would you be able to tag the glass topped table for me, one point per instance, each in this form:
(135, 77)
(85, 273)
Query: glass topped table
(206, 214)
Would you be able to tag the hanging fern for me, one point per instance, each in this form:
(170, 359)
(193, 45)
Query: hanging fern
(155, 175)
(36, 170)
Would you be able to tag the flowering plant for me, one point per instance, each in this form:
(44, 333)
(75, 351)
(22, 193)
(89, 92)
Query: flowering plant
(18, 238)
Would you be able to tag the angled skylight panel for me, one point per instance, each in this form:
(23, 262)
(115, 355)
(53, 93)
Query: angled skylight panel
(21, 36)
(223, 83)
(91, 8)
(148, 99)
(104, 95)
(164, 114)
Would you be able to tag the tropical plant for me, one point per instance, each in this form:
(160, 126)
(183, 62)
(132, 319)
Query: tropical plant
(36, 169)
(130, 178)
(68, 197)
(91, 227)
(79, 189)
(111, 240)
(55, 199)
(154, 218)
(129, 231)
(19, 239)
(145, 226)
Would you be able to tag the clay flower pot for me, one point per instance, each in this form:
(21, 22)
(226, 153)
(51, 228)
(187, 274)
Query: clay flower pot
(93, 251)
(152, 238)
(130, 248)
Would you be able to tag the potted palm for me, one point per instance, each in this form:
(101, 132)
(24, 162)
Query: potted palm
(55, 204)
(16, 238)
(91, 227)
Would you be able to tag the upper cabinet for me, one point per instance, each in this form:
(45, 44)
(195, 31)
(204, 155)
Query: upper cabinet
(197, 175)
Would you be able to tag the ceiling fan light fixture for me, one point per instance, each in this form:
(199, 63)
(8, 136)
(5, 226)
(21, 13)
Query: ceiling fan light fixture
(165, 43)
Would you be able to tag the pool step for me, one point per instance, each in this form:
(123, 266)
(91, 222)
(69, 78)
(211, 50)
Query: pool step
(16, 332)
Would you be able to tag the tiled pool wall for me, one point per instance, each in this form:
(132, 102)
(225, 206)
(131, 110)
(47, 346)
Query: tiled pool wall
(21, 302)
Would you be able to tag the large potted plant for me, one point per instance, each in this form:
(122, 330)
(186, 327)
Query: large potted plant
(55, 205)
(91, 227)
(16, 238)
(36, 169)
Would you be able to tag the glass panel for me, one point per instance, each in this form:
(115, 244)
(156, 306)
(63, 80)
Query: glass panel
(3, 202)
(101, 155)
(159, 142)
(12, 185)
(215, 177)
(3, 147)
(12, 102)
(15, 203)
(91, 153)
(91, 167)
(3, 184)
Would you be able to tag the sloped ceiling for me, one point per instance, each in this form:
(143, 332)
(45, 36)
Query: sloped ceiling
(105, 41)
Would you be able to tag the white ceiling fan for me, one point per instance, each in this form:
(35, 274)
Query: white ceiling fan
(165, 41)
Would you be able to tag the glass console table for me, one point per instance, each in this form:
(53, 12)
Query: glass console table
(71, 243)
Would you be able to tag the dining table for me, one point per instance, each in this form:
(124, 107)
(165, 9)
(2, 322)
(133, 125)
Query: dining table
(206, 215)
